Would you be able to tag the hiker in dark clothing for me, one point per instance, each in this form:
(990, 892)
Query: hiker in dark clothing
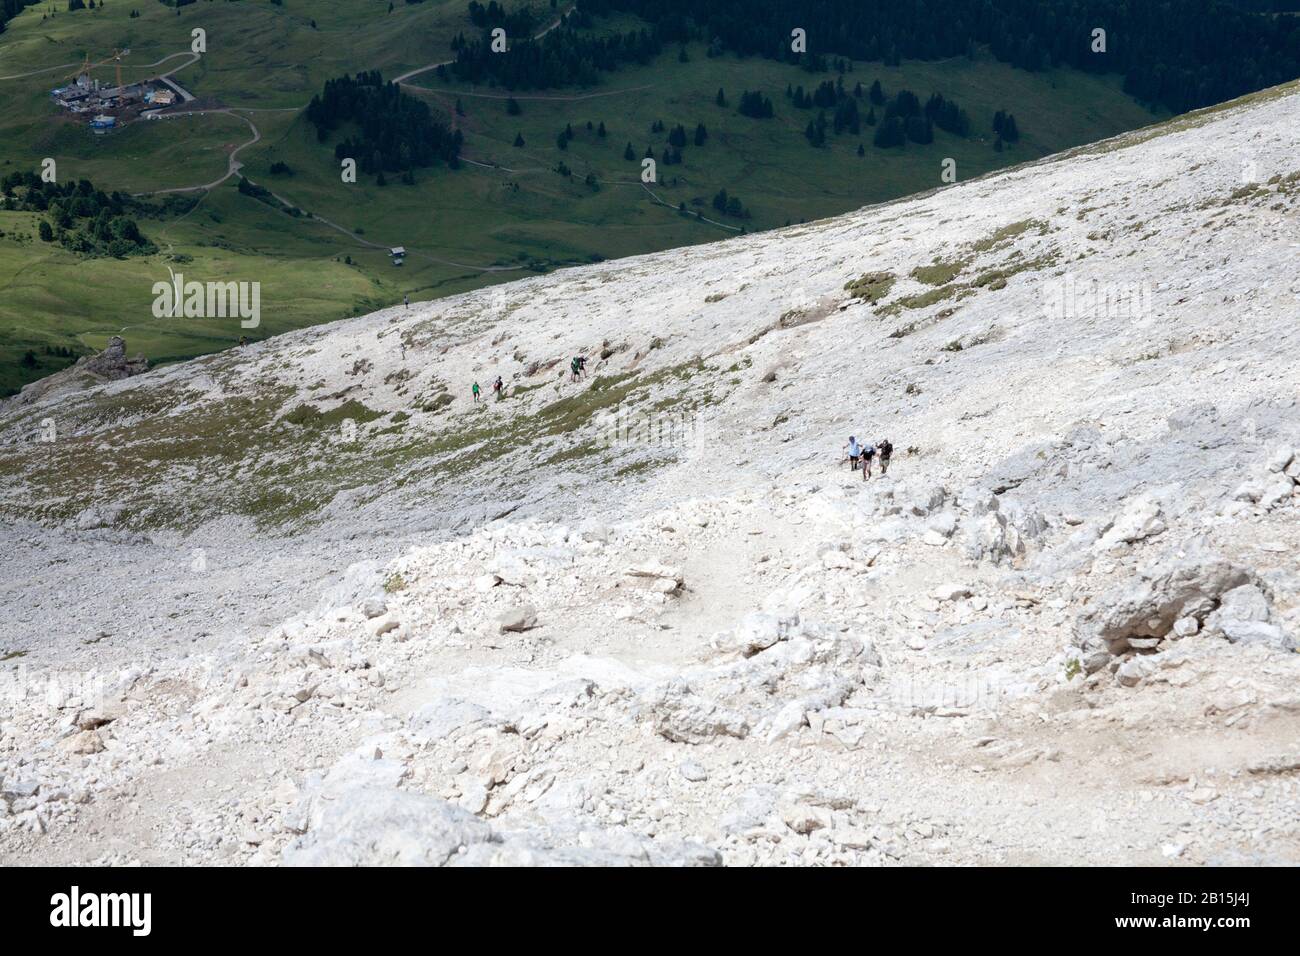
(886, 449)
(582, 366)
(868, 451)
(499, 387)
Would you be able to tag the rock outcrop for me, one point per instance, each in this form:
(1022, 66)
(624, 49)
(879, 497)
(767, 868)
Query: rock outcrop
(110, 365)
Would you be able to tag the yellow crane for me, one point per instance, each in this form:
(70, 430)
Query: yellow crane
(87, 66)
(117, 56)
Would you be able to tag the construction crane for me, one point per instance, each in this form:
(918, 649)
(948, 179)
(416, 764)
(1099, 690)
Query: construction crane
(87, 66)
(117, 56)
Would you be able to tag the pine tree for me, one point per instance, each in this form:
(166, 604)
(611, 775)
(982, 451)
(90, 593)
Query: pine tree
(721, 99)
(628, 154)
(519, 140)
(920, 130)
(890, 133)
(701, 134)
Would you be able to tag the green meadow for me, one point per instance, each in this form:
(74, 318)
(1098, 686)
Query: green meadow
(506, 213)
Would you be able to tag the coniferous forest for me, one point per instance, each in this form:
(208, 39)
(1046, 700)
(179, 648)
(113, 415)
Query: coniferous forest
(395, 131)
(1175, 54)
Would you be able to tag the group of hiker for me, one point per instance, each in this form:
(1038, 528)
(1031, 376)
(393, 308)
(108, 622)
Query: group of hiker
(498, 389)
(577, 370)
(863, 453)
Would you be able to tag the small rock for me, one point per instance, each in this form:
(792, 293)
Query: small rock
(486, 582)
(474, 797)
(85, 743)
(693, 772)
(1134, 670)
(520, 618)
(1280, 458)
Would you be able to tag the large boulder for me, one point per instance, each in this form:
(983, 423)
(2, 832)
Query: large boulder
(373, 826)
(681, 715)
(1141, 518)
(1169, 591)
(112, 363)
(385, 827)
(1245, 617)
(993, 538)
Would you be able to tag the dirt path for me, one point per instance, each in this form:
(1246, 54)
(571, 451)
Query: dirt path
(233, 164)
(143, 66)
(401, 80)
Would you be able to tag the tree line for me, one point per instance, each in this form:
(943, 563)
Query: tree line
(564, 57)
(519, 23)
(1179, 54)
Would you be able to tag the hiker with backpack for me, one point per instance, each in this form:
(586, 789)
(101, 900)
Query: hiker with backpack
(886, 449)
(573, 369)
(582, 366)
(854, 452)
(499, 387)
(868, 452)
(475, 391)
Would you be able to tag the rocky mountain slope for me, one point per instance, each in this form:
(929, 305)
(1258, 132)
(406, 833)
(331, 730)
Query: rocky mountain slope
(307, 602)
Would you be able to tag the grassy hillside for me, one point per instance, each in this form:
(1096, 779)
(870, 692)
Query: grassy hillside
(259, 53)
(504, 214)
(49, 296)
